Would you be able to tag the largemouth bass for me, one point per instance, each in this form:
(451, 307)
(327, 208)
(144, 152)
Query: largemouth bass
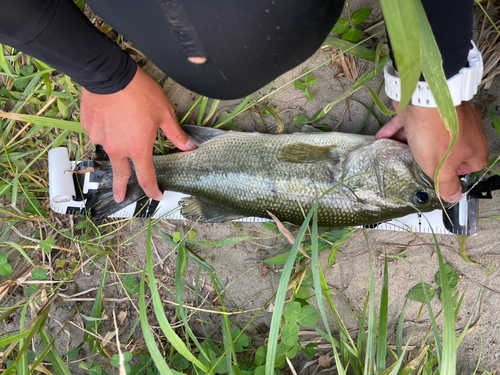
(359, 180)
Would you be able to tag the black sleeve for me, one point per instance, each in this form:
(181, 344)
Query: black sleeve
(58, 33)
(451, 23)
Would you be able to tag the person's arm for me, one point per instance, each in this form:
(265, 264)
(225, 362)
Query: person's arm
(121, 106)
(423, 128)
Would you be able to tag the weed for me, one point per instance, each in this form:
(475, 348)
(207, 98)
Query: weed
(40, 267)
(347, 27)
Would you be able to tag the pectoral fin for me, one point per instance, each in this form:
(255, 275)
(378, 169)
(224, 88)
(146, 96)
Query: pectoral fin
(306, 153)
(203, 210)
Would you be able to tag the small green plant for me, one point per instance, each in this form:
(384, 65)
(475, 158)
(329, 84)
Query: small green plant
(5, 267)
(309, 81)
(347, 28)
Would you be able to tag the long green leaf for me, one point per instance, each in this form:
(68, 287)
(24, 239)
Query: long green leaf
(148, 336)
(360, 83)
(56, 361)
(402, 25)
(434, 75)
(317, 274)
(7, 340)
(372, 327)
(382, 324)
(45, 121)
(170, 334)
(280, 296)
(432, 69)
(353, 49)
(21, 251)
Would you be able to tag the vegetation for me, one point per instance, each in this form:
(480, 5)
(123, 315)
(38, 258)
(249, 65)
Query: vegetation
(44, 255)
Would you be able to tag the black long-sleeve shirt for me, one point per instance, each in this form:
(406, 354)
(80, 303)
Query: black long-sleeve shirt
(246, 43)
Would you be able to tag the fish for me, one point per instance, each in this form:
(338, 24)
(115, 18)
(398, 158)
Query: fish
(356, 179)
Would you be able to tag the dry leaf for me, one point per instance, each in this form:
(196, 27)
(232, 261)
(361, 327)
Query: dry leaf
(324, 360)
(287, 234)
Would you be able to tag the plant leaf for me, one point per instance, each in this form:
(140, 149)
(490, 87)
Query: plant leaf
(360, 15)
(290, 334)
(340, 26)
(353, 35)
(308, 316)
(299, 85)
(402, 25)
(451, 276)
(308, 94)
(417, 292)
(292, 311)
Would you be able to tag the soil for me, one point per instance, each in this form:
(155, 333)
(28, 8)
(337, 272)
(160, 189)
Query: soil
(250, 285)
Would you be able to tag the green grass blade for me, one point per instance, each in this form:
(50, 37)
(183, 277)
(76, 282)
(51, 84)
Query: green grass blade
(494, 120)
(372, 327)
(180, 268)
(226, 332)
(280, 296)
(316, 270)
(353, 49)
(21, 251)
(382, 108)
(464, 331)
(360, 83)
(361, 329)
(7, 69)
(370, 110)
(449, 350)
(437, 338)
(45, 121)
(93, 325)
(170, 334)
(38, 322)
(193, 257)
(148, 336)
(382, 324)
(399, 332)
(432, 69)
(201, 112)
(7, 340)
(210, 113)
(402, 25)
(56, 361)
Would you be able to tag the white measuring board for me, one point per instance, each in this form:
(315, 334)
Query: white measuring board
(68, 190)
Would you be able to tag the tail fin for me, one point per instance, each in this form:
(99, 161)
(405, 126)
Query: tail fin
(102, 203)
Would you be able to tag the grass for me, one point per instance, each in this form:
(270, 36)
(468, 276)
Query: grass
(45, 257)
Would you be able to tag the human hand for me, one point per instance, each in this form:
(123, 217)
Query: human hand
(126, 124)
(428, 139)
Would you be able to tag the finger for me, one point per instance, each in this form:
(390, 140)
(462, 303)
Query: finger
(177, 136)
(121, 175)
(449, 185)
(470, 167)
(391, 128)
(145, 171)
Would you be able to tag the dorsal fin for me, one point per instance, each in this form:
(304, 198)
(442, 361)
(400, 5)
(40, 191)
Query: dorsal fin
(306, 153)
(200, 134)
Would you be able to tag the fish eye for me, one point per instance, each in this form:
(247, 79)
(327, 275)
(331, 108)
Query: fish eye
(420, 197)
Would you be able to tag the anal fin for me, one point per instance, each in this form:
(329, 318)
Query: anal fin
(207, 211)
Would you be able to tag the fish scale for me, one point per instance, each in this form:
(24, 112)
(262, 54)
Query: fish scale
(235, 174)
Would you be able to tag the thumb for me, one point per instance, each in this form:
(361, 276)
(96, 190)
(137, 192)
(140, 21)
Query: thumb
(393, 129)
(449, 185)
(178, 137)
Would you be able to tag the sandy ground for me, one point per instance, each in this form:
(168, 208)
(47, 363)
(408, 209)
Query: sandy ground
(250, 285)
